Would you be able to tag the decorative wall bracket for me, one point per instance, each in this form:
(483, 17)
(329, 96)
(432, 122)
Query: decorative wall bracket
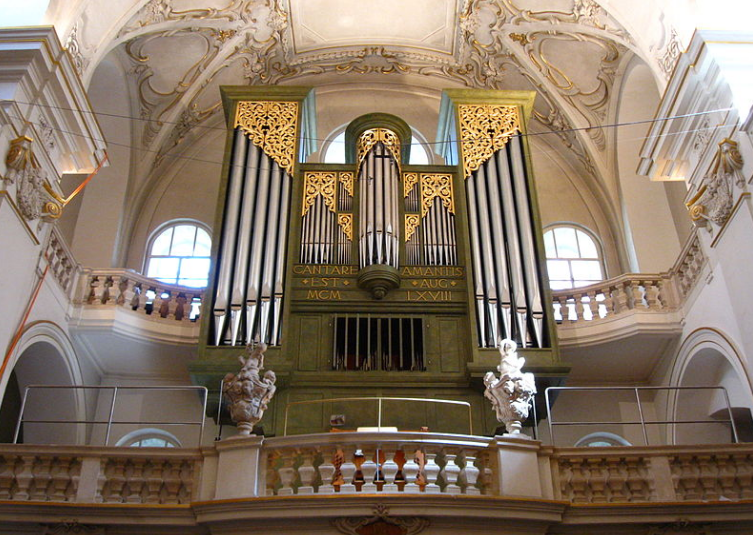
(381, 524)
(271, 126)
(713, 201)
(24, 170)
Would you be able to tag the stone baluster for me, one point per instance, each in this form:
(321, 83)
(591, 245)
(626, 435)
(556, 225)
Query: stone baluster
(42, 476)
(180, 311)
(726, 465)
(287, 474)
(431, 473)
(369, 471)
(561, 313)
(389, 470)
(636, 480)
(708, 476)
(307, 472)
(608, 302)
(593, 305)
(410, 471)
(165, 302)
(651, 293)
(450, 473)
(153, 480)
(135, 480)
(579, 306)
(123, 284)
(744, 477)
(327, 472)
(620, 298)
(24, 478)
(116, 480)
(7, 475)
(688, 480)
(616, 477)
(173, 481)
(578, 482)
(61, 478)
(597, 479)
(469, 473)
(348, 471)
(93, 291)
(138, 299)
(107, 296)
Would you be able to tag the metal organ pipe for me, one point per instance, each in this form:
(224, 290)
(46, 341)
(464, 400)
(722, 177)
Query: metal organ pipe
(379, 226)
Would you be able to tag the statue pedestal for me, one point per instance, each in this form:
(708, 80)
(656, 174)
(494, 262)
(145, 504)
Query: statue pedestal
(238, 467)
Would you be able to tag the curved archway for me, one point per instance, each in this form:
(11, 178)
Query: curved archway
(708, 358)
(44, 356)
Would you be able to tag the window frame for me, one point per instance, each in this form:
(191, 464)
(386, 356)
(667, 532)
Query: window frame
(597, 245)
(159, 231)
(129, 440)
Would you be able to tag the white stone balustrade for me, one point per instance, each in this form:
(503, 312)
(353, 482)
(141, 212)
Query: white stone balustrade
(130, 290)
(63, 265)
(358, 464)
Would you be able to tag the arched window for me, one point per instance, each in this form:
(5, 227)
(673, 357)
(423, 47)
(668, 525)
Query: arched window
(601, 439)
(149, 438)
(334, 149)
(179, 254)
(572, 257)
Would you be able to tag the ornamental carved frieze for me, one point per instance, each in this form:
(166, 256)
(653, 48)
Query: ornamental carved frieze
(271, 126)
(484, 129)
(371, 137)
(316, 184)
(381, 523)
(713, 202)
(24, 171)
(436, 186)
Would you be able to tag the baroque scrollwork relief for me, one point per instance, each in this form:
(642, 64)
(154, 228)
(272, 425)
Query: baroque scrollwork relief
(24, 171)
(713, 202)
(433, 186)
(381, 522)
(272, 126)
(371, 137)
(346, 224)
(412, 221)
(315, 184)
(484, 129)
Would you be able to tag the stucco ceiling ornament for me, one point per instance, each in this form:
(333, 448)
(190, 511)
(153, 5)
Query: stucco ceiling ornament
(159, 11)
(671, 53)
(75, 50)
(713, 202)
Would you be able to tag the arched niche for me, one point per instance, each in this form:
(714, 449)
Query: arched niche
(44, 356)
(707, 358)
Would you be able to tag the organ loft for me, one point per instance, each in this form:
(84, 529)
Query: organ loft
(377, 277)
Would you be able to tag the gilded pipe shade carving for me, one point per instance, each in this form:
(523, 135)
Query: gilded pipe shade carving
(409, 182)
(347, 182)
(433, 186)
(272, 127)
(319, 184)
(412, 221)
(484, 129)
(346, 224)
(371, 137)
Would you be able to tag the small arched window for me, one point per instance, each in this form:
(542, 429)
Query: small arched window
(601, 439)
(179, 254)
(149, 438)
(573, 257)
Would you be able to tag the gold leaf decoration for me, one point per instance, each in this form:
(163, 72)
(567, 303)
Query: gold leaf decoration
(371, 137)
(346, 181)
(412, 221)
(409, 181)
(436, 185)
(346, 223)
(484, 129)
(271, 126)
(319, 183)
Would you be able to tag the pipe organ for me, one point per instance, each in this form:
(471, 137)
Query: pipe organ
(404, 276)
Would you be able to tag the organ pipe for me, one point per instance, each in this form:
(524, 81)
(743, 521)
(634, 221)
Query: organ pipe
(379, 230)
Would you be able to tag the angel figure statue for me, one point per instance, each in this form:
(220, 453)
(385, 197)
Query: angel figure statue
(511, 393)
(248, 393)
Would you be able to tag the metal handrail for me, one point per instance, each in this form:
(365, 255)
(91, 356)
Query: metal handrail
(110, 420)
(642, 422)
(379, 400)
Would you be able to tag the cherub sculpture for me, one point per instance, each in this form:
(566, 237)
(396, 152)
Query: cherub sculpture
(248, 393)
(511, 393)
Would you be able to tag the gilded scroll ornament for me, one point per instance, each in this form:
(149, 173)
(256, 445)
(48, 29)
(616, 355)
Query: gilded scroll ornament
(713, 202)
(412, 221)
(319, 183)
(484, 129)
(371, 137)
(272, 127)
(346, 182)
(346, 224)
(409, 182)
(433, 186)
(23, 169)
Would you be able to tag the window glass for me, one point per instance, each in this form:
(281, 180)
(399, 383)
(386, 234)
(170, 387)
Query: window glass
(180, 255)
(336, 149)
(573, 257)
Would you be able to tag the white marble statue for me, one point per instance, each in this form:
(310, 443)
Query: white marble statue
(247, 392)
(511, 393)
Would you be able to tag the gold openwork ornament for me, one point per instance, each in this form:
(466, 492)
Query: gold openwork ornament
(485, 129)
(346, 224)
(433, 186)
(409, 182)
(272, 127)
(346, 181)
(315, 184)
(412, 221)
(371, 137)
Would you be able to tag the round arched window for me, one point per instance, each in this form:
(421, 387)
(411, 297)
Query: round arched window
(179, 254)
(334, 149)
(601, 439)
(573, 257)
(149, 438)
